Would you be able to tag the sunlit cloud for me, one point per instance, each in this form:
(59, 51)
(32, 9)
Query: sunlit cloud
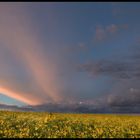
(103, 33)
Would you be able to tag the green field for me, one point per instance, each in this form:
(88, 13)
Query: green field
(57, 125)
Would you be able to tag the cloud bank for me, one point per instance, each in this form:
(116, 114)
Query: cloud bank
(124, 96)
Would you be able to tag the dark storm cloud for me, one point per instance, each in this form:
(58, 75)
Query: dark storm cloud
(126, 67)
(132, 99)
(127, 102)
(118, 69)
(124, 96)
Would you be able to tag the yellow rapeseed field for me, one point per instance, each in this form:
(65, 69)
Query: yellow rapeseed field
(59, 125)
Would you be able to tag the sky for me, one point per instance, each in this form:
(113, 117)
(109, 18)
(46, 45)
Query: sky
(69, 52)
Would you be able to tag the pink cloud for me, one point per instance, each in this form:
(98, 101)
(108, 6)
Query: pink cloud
(99, 33)
(107, 32)
(18, 95)
(112, 28)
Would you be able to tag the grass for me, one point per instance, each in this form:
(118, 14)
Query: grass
(60, 125)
